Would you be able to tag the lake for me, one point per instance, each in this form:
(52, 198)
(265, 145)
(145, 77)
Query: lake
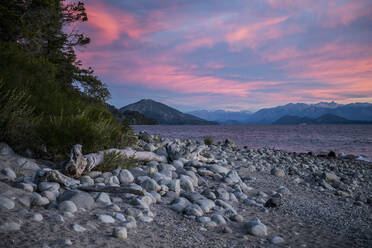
(350, 139)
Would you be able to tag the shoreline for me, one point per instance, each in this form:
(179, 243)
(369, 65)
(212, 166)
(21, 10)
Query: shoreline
(193, 195)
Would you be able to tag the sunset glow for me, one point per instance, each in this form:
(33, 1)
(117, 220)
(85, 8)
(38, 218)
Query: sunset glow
(231, 54)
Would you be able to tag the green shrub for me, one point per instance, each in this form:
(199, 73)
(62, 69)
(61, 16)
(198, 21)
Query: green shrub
(208, 140)
(17, 118)
(114, 160)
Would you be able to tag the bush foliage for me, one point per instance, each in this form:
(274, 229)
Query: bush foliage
(114, 160)
(208, 140)
(47, 98)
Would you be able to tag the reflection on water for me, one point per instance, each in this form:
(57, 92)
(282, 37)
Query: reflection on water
(350, 139)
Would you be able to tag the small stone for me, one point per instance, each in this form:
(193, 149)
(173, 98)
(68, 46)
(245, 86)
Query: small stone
(107, 219)
(26, 187)
(151, 185)
(57, 218)
(6, 203)
(276, 240)
(256, 228)
(283, 190)
(120, 217)
(39, 200)
(273, 202)
(193, 210)
(104, 198)
(114, 207)
(37, 217)
(78, 228)
(237, 218)
(227, 229)
(86, 180)
(219, 169)
(330, 177)
(67, 206)
(179, 204)
(10, 226)
(68, 215)
(126, 177)
(145, 219)
(219, 219)
(120, 233)
(278, 172)
(50, 195)
(9, 173)
(61, 241)
(43, 186)
(186, 183)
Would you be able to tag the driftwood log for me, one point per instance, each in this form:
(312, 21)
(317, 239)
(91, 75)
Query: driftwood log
(79, 163)
(49, 175)
(109, 189)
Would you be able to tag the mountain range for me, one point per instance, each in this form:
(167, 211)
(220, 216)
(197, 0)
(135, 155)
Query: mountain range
(164, 114)
(352, 111)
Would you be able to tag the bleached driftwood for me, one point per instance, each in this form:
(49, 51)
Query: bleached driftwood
(49, 175)
(79, 163)
(109, 189)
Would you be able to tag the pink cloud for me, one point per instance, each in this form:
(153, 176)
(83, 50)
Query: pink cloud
(252, 35)
(109, 23)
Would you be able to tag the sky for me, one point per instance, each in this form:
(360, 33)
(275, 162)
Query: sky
(233, 55)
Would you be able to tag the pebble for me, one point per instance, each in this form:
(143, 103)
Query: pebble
(227, 229)
(276, 240)
(6, 203)
(120, 233)
(37, 217)
(67, 206)
(10, 226)
(62, 241)
(107, 219)
(9, 173)
(256, 228)
(78, 228)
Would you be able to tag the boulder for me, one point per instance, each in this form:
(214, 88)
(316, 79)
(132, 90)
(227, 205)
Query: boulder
(80, 198)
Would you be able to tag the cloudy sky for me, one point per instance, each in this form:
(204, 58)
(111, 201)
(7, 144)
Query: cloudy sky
(231, 54)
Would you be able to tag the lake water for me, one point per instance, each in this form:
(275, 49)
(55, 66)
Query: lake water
(350, 139)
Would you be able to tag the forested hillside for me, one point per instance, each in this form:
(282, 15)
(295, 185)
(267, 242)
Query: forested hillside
(48, 100)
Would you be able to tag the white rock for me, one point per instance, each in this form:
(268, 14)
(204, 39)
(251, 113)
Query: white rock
(78, 228)
(126, 177)
(179, 204)
(145, 219)
(43, 186)
(120, 233)
(120, 217)
(186, 183)
(107, 219)
(276, 240)
(86, 180)
(6, 203)
(9, 173)
(37, 217)
(206, 205)
(151, 185)
(10, 226)
(67, 206)
(104, 198)
(219, 219)
(256, 228)
(219, 169)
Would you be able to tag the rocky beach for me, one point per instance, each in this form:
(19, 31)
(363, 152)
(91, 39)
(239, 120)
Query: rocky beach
(185, 193)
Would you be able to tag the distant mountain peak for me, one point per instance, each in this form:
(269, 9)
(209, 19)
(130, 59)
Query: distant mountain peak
(164, 114)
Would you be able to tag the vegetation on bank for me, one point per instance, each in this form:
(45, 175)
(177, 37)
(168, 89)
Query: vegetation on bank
(48, 101)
